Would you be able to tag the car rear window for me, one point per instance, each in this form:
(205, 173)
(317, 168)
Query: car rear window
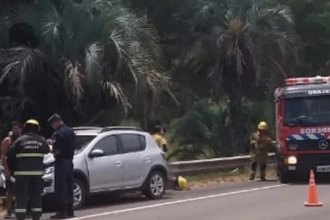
(133, 142)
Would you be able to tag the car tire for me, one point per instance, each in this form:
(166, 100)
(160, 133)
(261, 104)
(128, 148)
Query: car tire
(155, 185)
(79, 193)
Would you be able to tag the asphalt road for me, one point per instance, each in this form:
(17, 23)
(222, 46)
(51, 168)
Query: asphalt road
(247, 201)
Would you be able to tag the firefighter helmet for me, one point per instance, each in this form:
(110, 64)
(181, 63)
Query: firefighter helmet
(32, 122)
(263, 126)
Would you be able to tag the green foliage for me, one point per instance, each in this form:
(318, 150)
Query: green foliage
(261, 111)
(312, 19)
(201, 132)
(208, 68)
(198, 133)
(100, 52)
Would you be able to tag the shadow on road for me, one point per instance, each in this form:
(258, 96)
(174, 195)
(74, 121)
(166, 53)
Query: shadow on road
(115, 199)
(112, 199)
(271, 180)
(305, 181)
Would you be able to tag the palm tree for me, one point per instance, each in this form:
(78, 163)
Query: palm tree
(254, 41)
(100, 51)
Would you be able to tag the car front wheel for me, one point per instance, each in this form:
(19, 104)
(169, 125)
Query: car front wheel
(79, 194)
(155, 185)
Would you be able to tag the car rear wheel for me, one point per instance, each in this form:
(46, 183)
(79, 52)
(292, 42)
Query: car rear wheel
(79, 194)
(155, 185)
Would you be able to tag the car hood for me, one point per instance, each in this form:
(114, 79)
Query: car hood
(49, 158)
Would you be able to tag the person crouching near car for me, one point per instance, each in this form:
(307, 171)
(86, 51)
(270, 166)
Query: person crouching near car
(158, 133)
(27, 156)
(7, 143)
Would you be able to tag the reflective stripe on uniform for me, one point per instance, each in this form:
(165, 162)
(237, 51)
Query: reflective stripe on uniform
(20, 210)
(36, 210)
(28, 173)
(29, 155)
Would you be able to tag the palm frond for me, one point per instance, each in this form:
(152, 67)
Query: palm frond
(136, 45)
(22, 62)
(93, 56)
(115, 90)
(146, 70)
(52, 27)
(73, 79)
(118, 40)
(91, 6)
(8, 68)
(134, 28)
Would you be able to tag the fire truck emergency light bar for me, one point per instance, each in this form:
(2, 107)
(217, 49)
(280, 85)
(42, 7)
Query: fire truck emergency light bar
(307, 80)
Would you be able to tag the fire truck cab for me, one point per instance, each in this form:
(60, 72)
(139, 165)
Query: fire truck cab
(302, 120)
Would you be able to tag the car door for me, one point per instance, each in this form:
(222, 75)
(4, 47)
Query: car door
(105, 165)
(136, 164)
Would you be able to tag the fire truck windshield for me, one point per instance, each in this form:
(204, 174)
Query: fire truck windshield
(306, 111)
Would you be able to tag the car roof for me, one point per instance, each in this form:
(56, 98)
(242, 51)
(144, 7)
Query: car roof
(101, 130)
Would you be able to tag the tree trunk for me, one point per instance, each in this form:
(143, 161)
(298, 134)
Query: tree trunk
(238, 121)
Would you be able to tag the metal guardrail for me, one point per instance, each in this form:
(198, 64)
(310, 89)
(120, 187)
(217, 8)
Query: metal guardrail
(211, 165)
(204, 166)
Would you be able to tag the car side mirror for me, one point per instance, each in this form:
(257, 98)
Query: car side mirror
(96, 153)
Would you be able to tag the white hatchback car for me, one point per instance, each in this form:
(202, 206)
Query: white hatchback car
(113, 159)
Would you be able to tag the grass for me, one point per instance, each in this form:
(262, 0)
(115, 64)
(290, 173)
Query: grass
(218, 178)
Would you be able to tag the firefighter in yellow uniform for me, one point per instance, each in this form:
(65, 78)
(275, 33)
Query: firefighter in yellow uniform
(260, 145)
(158, 134)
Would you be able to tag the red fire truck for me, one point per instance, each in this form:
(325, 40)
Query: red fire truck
(302, 113)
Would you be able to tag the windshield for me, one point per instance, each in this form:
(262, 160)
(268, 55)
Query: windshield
(82, 141)
(306, 111)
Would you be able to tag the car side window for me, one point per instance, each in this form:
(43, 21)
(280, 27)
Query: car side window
(108, 145)
(133, 142)
(143, 142)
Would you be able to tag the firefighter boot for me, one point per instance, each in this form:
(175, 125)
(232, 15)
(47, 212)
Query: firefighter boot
(253, 170)
(252, 175)
(20, 216)
(36, 216)
(62, 212)
(263, 172)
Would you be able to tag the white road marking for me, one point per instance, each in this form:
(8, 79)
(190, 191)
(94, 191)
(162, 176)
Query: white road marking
(175, 202)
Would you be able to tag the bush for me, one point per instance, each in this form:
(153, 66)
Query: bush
(202, 131)
(197, 133)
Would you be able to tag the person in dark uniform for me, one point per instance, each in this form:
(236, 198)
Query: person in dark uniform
(7, 143)
(28, 154)
(63, 150)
